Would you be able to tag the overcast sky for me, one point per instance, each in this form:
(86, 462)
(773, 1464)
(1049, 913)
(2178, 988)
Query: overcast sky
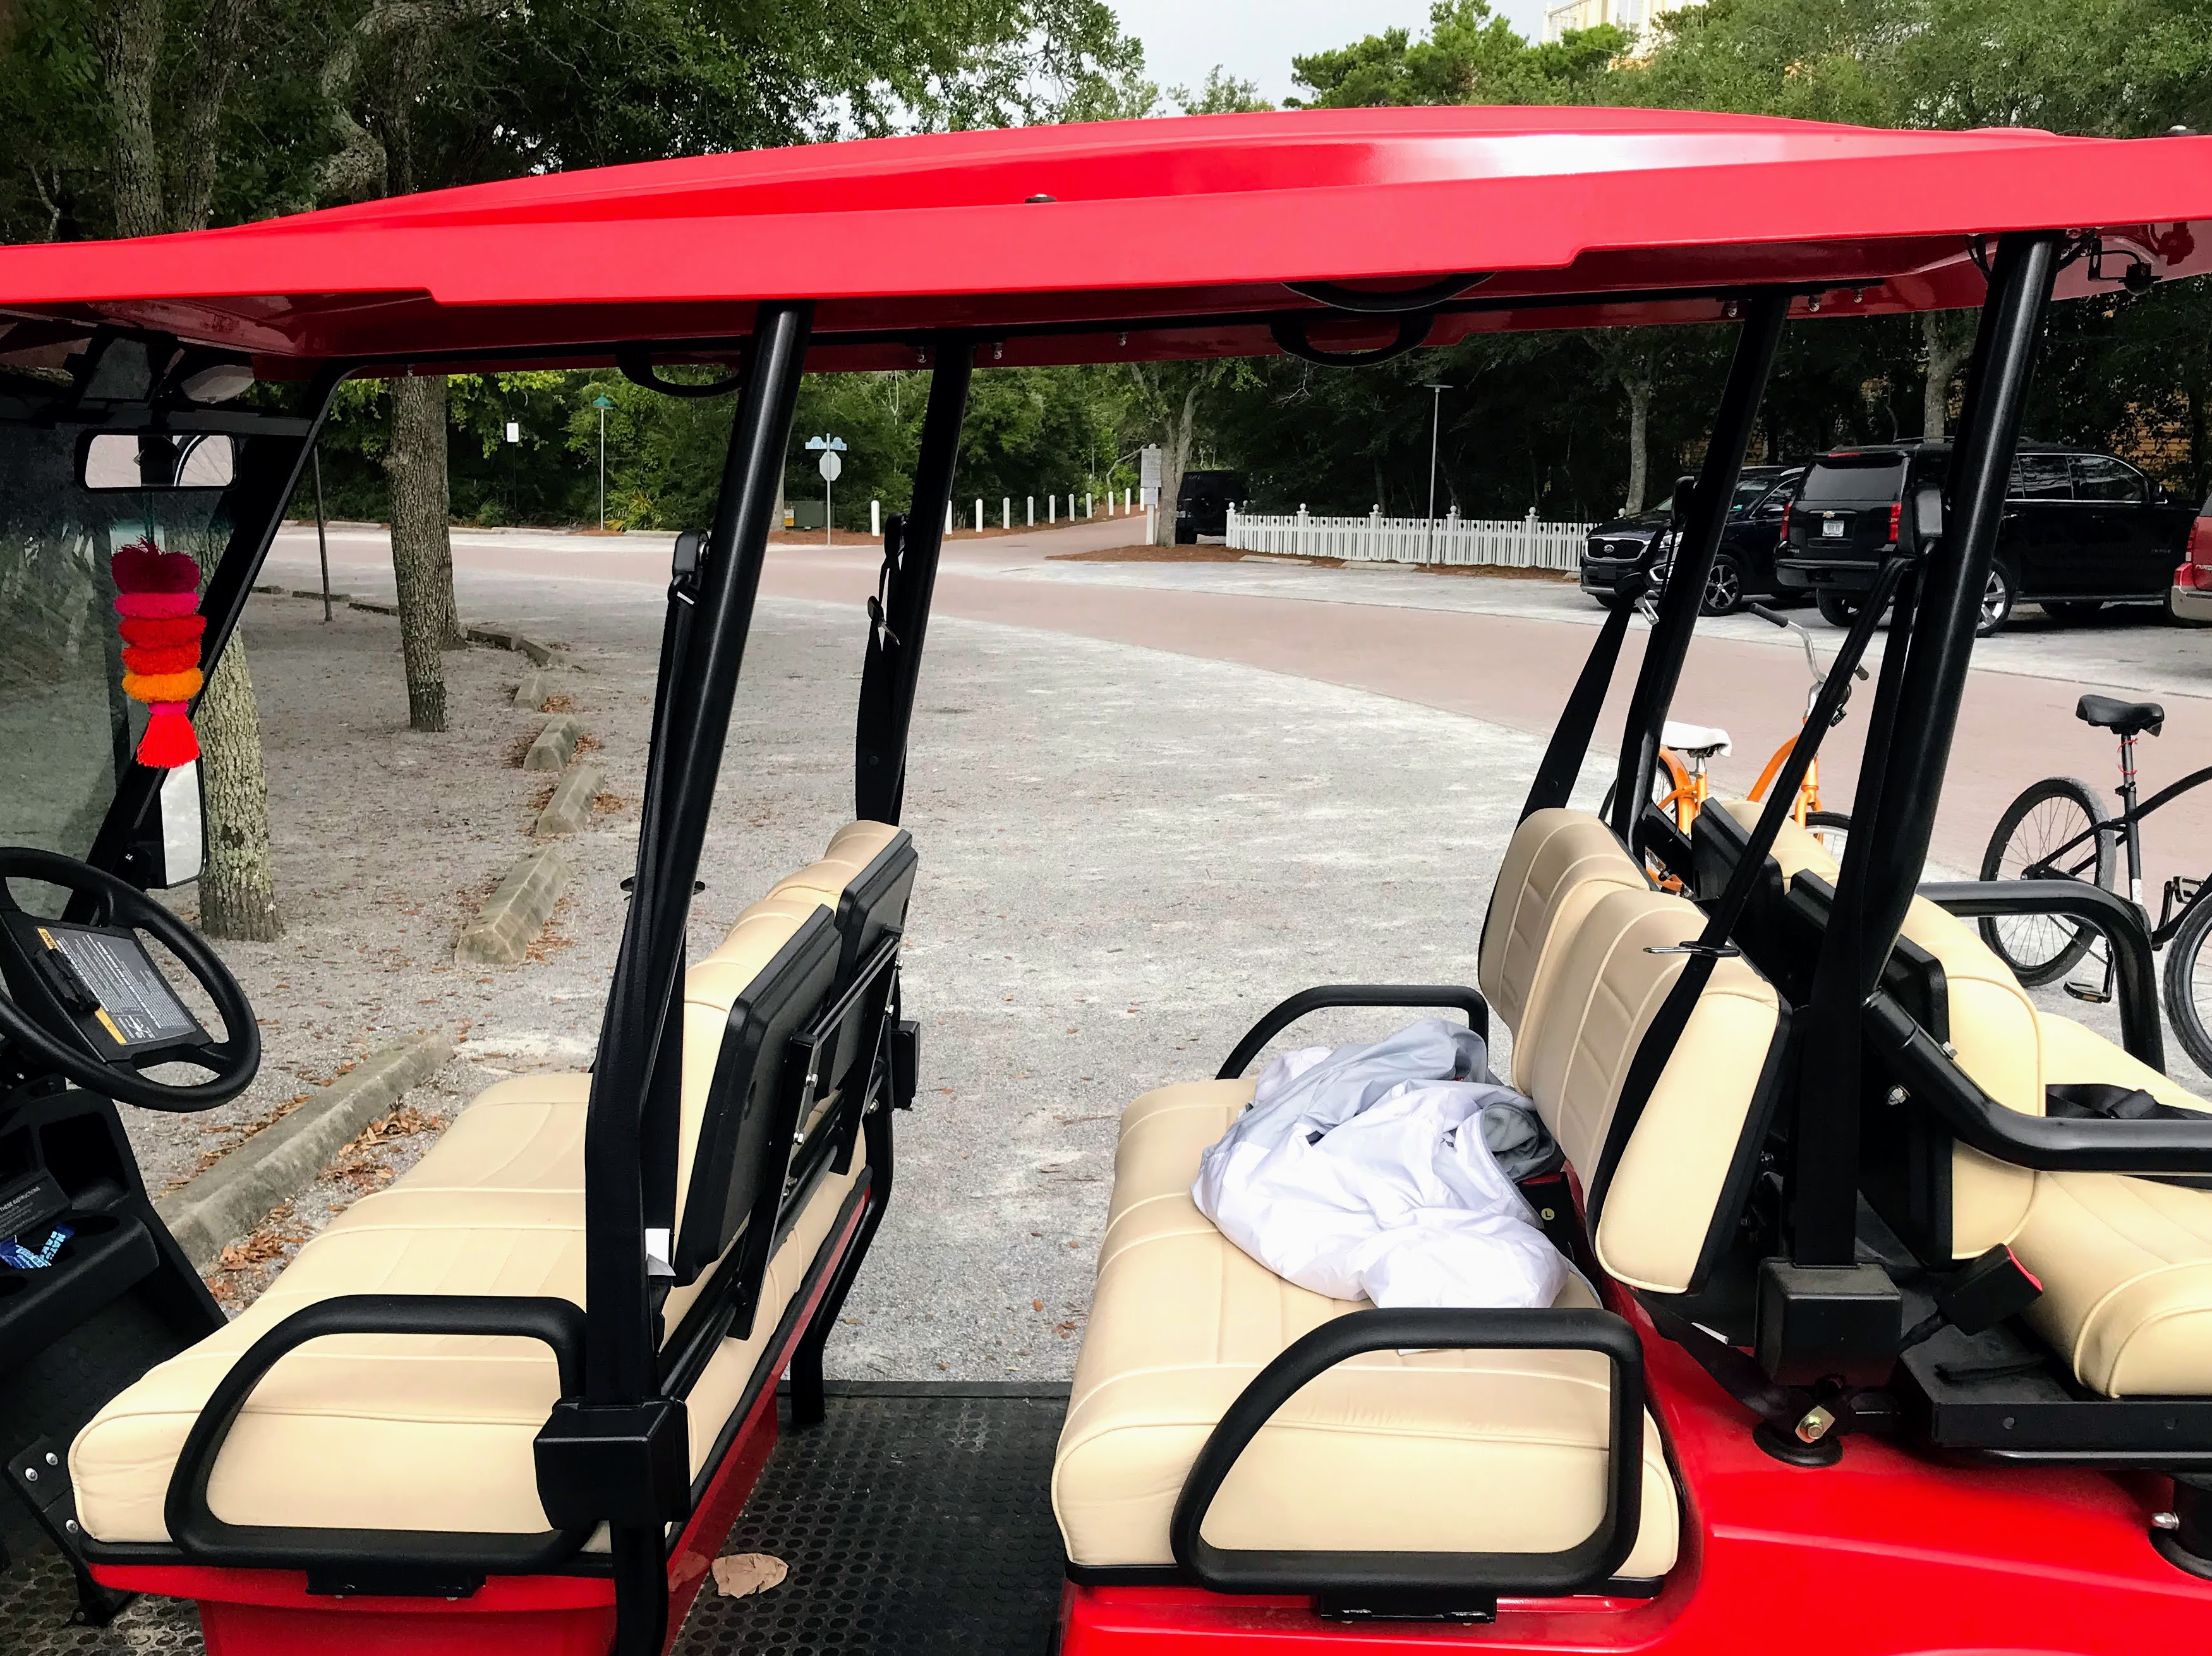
(1255, 39)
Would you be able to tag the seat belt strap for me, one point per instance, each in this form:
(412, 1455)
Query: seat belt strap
(1571, 737)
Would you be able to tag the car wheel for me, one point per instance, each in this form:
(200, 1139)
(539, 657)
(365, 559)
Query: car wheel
(1836, 610)
(1997, 602)
(1724, 586)
(2074, 614)
(1605, 600)
(1186, 538)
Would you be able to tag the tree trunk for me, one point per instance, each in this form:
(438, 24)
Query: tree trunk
(1947, 353)
(421, 544)
(1175, 457)
(130, 51)
(1639, 442)
(238, 895)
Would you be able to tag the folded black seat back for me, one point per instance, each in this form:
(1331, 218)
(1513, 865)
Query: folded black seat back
(871, 916)
(741, 1166)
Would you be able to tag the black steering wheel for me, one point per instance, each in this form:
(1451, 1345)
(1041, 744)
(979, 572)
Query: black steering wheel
(43, 1029)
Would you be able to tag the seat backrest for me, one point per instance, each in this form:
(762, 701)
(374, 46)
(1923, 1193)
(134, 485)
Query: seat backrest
(1557, 866)
(783, 965)
(1996, 1037)
(866, 875)
(1687, 1167)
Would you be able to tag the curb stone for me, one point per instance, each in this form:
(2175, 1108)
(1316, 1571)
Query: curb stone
(316, 595)
(514, 915)
(556, 744)
(529, 695)
(222, 1205)
(570, 807)
(501, 638)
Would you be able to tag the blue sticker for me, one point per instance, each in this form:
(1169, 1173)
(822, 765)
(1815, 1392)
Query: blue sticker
(18, 1254)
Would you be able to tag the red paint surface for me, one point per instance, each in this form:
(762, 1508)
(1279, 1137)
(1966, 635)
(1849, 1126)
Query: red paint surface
(1154, 220)
(271, 1613)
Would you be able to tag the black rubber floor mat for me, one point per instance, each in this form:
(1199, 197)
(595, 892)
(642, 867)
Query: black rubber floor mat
(915, 1520)
(38, 1597)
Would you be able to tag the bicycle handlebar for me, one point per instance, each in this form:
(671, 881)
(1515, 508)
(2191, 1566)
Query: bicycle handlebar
(1812, 656)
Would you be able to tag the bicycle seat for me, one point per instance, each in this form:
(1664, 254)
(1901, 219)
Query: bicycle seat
(2123, 718)
(1693, 740)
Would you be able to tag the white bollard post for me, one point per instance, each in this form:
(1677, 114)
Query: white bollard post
(875, 519)
(1006, 511)
(1125, 502)
(948, 517)
(1052, 508)
(1032, 522)
(1086, 504)
(979, 514)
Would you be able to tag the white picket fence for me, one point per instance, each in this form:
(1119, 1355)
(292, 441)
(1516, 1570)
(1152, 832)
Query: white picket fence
(1506, 544)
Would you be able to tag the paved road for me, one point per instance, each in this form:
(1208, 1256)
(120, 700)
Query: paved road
(1500, 650)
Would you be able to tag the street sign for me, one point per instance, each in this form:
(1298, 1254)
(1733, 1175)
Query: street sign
(514, 431)
(834, 444)
(603, 401)
(832, 465)
(1148, 474)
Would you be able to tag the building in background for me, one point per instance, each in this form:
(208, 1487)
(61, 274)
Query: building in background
(1633, 18)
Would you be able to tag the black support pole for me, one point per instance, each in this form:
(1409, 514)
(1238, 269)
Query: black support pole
(893, 667)
(1950, 605)
(621, 1363)
(1909, 734)
(1670, 642)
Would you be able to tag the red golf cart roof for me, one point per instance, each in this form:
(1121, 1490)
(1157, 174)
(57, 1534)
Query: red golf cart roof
(1048, 239)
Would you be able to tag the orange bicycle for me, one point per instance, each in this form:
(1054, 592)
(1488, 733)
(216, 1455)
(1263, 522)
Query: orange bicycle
(1681, 786)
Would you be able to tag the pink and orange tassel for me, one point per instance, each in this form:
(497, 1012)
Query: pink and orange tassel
(157, 595)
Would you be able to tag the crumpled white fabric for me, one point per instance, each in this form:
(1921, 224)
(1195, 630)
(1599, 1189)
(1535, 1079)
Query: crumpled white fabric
(1362, 1172)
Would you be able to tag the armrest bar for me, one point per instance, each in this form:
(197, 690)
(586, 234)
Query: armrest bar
(2122, 924)
(1584, 1565)
(2045, 1143)
(206, 1539)
(1322, 996)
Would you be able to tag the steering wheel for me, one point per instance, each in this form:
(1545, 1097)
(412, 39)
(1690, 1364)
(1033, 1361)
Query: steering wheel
(38, 1026)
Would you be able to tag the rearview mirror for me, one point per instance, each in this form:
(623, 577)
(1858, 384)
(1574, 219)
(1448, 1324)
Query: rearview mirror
(137, 460)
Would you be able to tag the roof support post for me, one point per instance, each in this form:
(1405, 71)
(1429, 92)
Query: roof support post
(621, 1362)
(1924, 672)
(1699, 538)
(900, 614)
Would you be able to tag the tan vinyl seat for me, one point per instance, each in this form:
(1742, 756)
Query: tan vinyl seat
(390, 1433)
(1437, 1451)
(2125, 1264)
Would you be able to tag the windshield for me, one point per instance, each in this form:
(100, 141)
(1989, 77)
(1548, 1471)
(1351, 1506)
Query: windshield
(66, 728)
(1853, 477)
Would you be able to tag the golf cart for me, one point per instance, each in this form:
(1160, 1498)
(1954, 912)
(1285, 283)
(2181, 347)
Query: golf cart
(1886, 1336)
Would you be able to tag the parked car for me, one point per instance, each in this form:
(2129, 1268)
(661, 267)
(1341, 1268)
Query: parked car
(2189, 598)
(1203, 504)
(1743, 567)
(2081, 530)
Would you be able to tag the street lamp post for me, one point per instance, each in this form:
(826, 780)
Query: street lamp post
(1436, 433)
(603, 403)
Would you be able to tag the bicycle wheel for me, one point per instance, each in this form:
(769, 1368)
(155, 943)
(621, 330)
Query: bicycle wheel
(2189, 986)
(2044, 948)
(1832, 829)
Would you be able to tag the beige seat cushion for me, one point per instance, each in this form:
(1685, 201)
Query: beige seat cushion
(387, 1433)
(1796, 849)
(1665, 1203)
(390, 1433)
(1443, 1450)
(1557, 865)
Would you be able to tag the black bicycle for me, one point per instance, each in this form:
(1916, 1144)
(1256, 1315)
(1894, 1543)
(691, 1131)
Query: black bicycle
(2055, 831)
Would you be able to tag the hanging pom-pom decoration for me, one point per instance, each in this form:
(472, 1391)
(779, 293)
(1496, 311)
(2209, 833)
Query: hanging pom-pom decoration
(157, 596)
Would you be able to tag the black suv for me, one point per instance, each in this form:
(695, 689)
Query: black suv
(2080, 531)
(1743, 567)
(1203, 504)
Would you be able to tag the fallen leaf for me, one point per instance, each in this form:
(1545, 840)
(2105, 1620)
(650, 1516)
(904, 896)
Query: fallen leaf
(742, 1574)
(1037, 1305)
